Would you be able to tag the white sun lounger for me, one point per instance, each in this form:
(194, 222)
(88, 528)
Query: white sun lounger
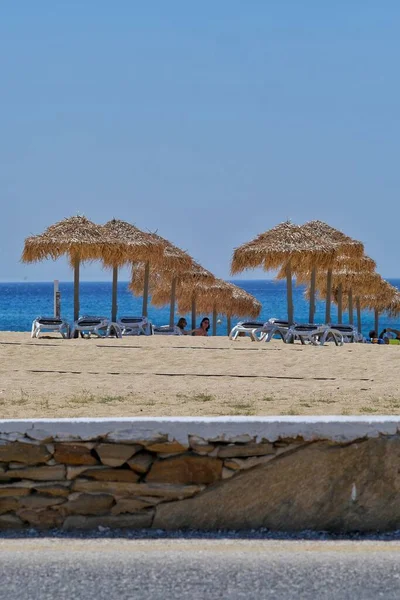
(349, 332)
(167, 330)
(94, 325)
(314, 334)
(271, 328)
(245, 328)
(134, 325)
(56, 324)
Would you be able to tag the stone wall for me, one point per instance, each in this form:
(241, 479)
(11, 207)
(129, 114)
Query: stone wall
(283, 474)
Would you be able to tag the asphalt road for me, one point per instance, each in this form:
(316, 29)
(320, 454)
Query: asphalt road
(160, 569)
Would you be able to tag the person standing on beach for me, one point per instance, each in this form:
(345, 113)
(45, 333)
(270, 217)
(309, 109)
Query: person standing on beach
(204, 327)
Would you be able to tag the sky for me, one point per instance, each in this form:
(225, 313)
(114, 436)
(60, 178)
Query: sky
(209, 122)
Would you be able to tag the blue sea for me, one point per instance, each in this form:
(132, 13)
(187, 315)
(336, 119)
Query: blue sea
(20, 303)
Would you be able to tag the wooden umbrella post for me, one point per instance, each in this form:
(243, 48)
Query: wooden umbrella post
(350, 301)
(214, 323)
(193, 313)
(146, 288)
(172, 303)
(76, 288)
(340, 304)
(328, 296)
(376, 322)
(114, 307)
(312, 295)
(289, 293)
(228, 323)
(359, 327)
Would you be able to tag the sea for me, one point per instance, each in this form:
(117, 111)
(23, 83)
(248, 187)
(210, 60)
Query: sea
(21, 303)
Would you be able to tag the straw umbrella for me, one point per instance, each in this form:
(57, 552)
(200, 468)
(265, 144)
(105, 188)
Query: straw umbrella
(383, 298)
(164, 284)
(344, 246)
(129, 244)
(283, 246)
(76, 237)
(343, 270)
(218, 297)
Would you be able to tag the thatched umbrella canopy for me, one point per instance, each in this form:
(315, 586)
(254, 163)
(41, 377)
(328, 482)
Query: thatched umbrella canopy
(382, 299)
(218, 297)
(352, 284)
(164, 283)
(76, 237)
(282, 246)
(344, 271)
(128, 244)
(344, 246)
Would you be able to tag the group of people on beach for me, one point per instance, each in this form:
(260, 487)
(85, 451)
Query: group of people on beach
(201, 330)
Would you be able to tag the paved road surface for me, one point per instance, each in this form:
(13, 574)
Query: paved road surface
(56, 569)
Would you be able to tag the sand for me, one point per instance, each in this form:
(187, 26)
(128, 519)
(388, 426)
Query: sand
(186, 376)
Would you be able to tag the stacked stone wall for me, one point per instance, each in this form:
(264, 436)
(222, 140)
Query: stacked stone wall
(239, 481)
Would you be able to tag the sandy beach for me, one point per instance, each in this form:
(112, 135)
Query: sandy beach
(186, 376)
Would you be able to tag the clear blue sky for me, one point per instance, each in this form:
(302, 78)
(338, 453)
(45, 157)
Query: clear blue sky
(209, 121)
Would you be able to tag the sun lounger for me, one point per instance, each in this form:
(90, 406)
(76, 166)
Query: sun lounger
(135, 325)
(55, 324)
(244, 328)
(314, 334)
(167, 330)
(99, 326)
(349, 332)
(271, 328)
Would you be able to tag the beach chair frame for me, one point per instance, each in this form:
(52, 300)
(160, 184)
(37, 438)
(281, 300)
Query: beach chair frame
(50, 324)
(317, 335)
(134, 325)
(92, 325)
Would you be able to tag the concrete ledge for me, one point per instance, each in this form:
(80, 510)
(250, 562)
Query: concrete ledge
(213, 428)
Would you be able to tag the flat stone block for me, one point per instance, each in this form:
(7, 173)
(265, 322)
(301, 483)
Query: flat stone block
(111, 475)
(141, 462)
(88, 504)
(36, 501)
(74, 454)
(28, 454)
(115, 455)
(44, 473)
(186, 470)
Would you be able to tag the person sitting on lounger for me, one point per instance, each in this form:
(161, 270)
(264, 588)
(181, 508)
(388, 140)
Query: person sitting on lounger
(181, 324)
(204, 327)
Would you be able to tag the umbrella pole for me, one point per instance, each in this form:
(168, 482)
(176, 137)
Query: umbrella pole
(114, 307)
(289, 293)
(172, 303)
(350, 300)
(214, 324)
(376, 322)
(358, 314)
(76, 288)
(146, 288)
(312, 295)
(193, 313)
(328, 296)
(340, 304)
(228, 323)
